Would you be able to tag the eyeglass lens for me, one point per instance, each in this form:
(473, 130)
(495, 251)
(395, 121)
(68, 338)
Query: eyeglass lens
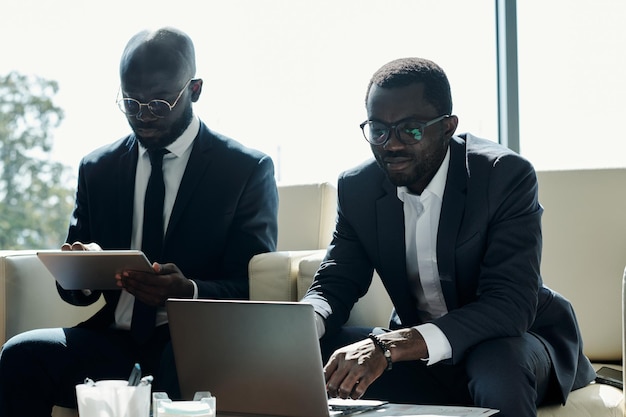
(377, 133)
(131, 107)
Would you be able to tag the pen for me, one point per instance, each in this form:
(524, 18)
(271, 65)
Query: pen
(135, 376)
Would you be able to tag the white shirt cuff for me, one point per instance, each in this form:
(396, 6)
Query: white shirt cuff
(437, 343)
(195, 289)
(320, 326)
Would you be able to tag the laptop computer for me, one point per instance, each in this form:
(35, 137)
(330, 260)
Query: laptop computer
(256, 358)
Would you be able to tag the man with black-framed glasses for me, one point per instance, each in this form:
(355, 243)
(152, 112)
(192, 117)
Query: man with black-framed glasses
(198, 204)
(452, 225)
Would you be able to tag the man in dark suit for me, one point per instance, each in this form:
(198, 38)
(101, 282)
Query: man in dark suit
(219, 208)
(452, 225)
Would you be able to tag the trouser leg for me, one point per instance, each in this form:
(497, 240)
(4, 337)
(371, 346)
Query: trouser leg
(40, 368)
(167, 376)
(509, 374)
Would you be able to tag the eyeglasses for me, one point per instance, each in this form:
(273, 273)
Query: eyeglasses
(408, 131)
(159, 108)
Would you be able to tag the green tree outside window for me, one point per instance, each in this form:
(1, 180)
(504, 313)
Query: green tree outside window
(36, 197)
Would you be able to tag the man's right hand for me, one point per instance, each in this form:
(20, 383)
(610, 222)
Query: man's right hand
(84, 247)
(353, 368)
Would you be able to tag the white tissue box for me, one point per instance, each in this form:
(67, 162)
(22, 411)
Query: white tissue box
(203, 405)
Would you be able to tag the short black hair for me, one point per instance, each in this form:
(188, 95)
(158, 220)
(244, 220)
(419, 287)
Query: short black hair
(406, 71)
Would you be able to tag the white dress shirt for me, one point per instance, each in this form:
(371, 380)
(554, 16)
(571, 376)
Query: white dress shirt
(174, 164)
(421, 224)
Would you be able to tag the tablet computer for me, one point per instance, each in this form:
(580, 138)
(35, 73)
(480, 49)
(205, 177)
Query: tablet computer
(92, 270)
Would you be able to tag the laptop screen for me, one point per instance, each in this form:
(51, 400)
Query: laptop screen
(259, 358)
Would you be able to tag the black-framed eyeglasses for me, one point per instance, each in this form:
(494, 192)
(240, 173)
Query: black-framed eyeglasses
(159, 108)
(409, 131)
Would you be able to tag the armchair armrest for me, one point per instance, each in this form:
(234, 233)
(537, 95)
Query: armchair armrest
(273, 275)
(29, 297)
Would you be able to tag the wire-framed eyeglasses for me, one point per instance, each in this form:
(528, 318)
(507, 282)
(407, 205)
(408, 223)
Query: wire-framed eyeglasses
(408, 131)
(159, 108)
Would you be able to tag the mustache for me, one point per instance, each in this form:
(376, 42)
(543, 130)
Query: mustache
(394, 154)
(143, 125)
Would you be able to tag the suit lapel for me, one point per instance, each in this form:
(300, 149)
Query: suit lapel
(127, 169)
(452, 209)
(199, 161)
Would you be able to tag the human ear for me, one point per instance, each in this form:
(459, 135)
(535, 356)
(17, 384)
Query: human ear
(196, 89)
(450, 125)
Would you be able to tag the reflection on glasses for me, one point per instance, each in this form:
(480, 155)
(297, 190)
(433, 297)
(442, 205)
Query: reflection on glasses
(408, 131)
(159, 108)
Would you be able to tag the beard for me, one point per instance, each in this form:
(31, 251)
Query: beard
(422, 170)
(401, 179)
(176, 129)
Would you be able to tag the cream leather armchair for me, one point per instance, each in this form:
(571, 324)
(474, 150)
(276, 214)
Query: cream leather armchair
(306, 219)
(584, 227)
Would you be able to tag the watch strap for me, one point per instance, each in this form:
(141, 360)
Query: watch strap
(384, 347)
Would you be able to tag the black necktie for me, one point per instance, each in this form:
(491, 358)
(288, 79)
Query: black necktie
(144, 316)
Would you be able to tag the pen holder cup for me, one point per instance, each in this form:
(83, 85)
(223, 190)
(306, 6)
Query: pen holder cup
(113, 398)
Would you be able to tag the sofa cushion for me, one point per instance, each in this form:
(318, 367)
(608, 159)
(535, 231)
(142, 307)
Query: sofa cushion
(306, 215)
(594, 400)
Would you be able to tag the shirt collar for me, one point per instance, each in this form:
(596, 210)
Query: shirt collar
(183, 142)
(437, 185)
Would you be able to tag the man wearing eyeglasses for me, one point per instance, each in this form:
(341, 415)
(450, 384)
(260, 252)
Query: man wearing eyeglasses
(199, 205)
(451, 223)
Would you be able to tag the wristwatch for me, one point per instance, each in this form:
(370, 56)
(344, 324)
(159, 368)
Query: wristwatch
(384, 347)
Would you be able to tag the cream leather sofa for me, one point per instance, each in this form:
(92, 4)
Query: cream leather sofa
(584, 257)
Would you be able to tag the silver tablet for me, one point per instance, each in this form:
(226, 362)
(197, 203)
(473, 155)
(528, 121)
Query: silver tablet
(92, 270)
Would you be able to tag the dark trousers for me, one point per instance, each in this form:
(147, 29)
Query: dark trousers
(41, 368)
(512, 375)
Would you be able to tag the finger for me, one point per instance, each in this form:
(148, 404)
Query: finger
(350, 383)
(335, 373)
(169, 268)
(330, 368)
(345, 377)
(93, 246)
(359, 388)
(78, 246)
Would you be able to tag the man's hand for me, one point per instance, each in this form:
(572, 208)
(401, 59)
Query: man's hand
(154, 289)
(353, 368)
(93, 246)
(81, 246)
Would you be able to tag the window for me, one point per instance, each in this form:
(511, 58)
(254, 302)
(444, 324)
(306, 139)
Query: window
(572, 83)
(287, 77)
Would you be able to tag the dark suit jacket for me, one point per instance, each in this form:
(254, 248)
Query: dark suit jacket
(225, 212)
(488, 256)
